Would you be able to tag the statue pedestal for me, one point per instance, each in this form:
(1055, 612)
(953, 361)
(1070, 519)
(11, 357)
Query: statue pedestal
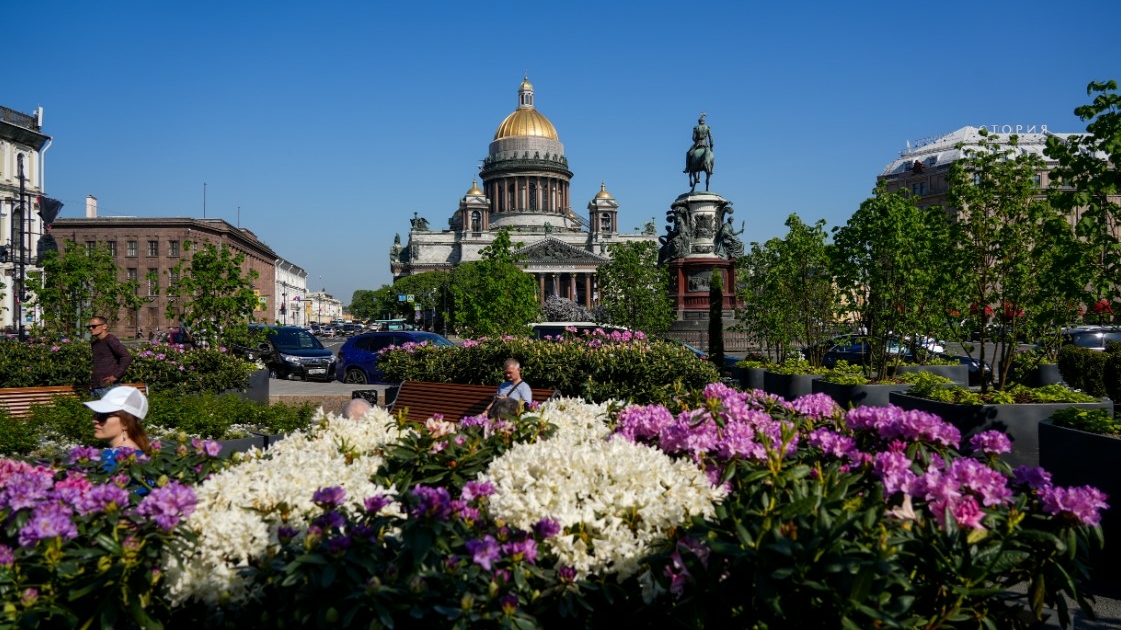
(689, 287)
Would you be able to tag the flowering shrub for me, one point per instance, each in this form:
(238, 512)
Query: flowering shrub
(596, 366)
(722, 509)
(46, 361)
(83, 535)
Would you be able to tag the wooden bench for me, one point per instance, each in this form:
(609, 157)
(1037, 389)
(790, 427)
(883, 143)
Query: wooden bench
(18, 400)
(454, 401)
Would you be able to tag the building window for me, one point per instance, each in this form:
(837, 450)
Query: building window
(112, 245)
(533, 197)
(1038, 180)
(172, 277)
(130, 249)
(605, 222)
(976, 179)
(153, 280)
(475, 221)
(173, 249)
(90, 246)
(132, 277)
(918, 189)
(153, 248)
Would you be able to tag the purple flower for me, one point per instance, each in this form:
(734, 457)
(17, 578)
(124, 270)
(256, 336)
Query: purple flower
(1033, 477)
(566, 574)
(982, 481)
(522, 550)
(329, 520)
(7, 556)
(509, 603)
(285, 533)
(168, 505)
(894, 470)
(103, 498)
(1083, 503)
(991, 442)
(968, 514)
(26, 489)
(483, 552)
(337, 545)
(435, 502)
(816, 406)
(892, 423)
(329, 497)
(546, 528)
(83, 454)
(640, 423)
(48, 520)
(375, 503)
(475, 489)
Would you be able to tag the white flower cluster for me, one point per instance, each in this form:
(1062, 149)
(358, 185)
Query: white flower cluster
(240, 509)
(613, 497)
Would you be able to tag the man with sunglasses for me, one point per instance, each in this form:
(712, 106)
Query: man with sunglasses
(110, 357)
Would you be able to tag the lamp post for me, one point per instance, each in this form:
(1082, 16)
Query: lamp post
(18, 212)
(320, 299)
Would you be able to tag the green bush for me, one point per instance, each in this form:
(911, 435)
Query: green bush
(1084, 369)
(65, 421)
(47, 362)
(1098, 421)
(16, 435)
(595, 367)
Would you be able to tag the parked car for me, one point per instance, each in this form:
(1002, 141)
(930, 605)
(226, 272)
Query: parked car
(730, 360)
(351, 329)
(1093, 338)
(358, 357)
(976, 372)
(291, 352)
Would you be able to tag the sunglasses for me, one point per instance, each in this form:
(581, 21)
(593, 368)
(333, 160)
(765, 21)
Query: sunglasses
(92, 326)
(101, 418)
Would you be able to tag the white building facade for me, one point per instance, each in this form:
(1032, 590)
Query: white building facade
(22, 145)
(291, 293)
(321, 307)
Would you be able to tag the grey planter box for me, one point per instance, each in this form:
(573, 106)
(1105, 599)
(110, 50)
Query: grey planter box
(1019, 422)
(229, 447)
(752, 378)
(1045, 374)
(1078, 458)
(872, 395)
(257, 390)
(789, 386)
(959, 374)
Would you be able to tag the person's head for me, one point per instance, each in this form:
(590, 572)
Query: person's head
(118, 415)
(98, 326)
(355, 408)
(505, 408)
(511, 369)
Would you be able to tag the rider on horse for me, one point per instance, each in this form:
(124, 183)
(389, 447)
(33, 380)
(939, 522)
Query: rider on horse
(702, 139)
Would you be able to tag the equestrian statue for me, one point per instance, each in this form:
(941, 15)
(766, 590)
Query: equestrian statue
(699, 158)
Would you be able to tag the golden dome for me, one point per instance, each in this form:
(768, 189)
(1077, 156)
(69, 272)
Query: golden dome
(474, 188)
(526, 122)
(603, 194)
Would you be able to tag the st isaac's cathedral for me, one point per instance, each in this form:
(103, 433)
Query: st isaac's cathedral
(525, 188)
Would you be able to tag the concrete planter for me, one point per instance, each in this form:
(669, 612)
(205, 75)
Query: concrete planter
(789, 386)
(1019, 422)
(1078, 458)
(870, 395)
(257, 390)
(1045, 374)
(229, 447)
(959, 374)
(752, 378)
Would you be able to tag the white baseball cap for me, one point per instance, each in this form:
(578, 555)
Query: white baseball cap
(123, 398)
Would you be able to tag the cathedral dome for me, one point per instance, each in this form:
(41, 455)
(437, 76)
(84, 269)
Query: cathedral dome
(526, 121)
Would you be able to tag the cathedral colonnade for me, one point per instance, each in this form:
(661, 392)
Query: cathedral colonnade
(582, 287)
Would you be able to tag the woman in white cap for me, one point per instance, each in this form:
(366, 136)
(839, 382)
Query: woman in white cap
(118, 416)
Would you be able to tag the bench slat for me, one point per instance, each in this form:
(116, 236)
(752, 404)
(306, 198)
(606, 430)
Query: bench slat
(453, 401)
(19, 400)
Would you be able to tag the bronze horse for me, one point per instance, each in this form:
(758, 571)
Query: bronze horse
(700, 161)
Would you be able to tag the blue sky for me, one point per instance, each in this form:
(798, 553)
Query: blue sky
(330, 123)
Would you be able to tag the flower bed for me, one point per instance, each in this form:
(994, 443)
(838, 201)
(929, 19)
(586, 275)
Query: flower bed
(726, 509)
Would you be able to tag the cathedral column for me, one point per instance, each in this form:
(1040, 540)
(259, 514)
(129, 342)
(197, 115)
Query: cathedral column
(541, 283)
(572, 287)
(587, 290)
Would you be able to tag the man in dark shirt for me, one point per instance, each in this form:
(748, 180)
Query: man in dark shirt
(110, 357)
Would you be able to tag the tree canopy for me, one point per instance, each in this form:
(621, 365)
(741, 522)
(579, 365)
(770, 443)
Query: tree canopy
(493, 296)
(211, 294)
(78, 283)
(634, 290)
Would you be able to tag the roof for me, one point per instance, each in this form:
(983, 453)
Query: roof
(943, 151)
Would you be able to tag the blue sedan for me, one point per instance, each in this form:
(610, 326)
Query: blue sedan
(358, 357)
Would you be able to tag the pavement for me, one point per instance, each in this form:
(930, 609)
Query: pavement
(331, 395)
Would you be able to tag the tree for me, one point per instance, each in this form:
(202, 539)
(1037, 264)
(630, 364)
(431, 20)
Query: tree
(1087, 184)
(716, 319)
(634, 290)
(1016, 251)
(763, 314)
(79, 283)
(803, 285)
(885, 264)
(367, 304)
(493, 296)
(212, 296)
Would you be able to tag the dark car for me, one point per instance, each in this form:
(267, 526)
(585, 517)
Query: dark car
(1092, 338)
(730, 360)
(292, 352)
(976, 373)
(358, 357)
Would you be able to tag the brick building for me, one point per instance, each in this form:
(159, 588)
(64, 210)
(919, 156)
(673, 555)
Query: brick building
(143, 247)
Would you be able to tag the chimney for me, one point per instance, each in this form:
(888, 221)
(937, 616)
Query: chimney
(91, 207)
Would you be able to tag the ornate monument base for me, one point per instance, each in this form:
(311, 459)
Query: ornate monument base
(689, 287)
